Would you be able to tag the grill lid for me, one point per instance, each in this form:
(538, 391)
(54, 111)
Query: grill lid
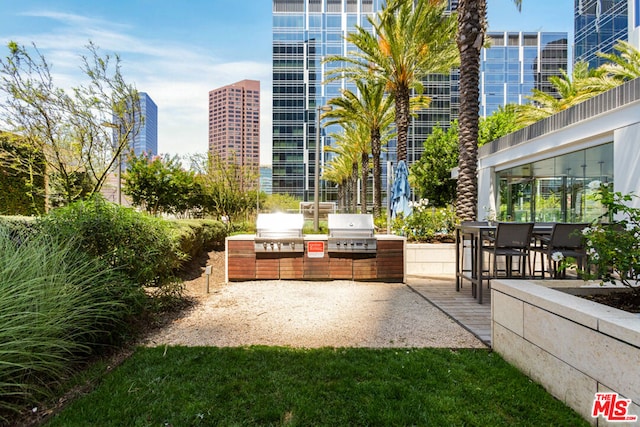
(279, 225)
(350, 225)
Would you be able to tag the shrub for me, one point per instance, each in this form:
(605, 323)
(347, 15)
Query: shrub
(613, 245)
(196, 235)
(57, 306)
(135, 243)
(426, 224)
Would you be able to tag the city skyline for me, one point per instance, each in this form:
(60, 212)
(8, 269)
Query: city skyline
(177, 55)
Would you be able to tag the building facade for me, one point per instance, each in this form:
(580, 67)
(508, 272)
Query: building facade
(515, 63)
(598, 25)
(234, 126)
(548, 172)
(145, 139)
(304, 32)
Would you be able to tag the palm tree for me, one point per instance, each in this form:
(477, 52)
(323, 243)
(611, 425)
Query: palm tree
(410, 39)
(338, 170)
(624, 65)
(373, 110)
(584, 83)
(471, 30)
(353, 143)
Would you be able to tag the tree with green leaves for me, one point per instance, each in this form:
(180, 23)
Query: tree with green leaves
(624, 63)
(224, 184)
(370, 108)
(160, 185)
(73, 129)
(584, 83)
(353, 145)
(339, 171)
(472, 25)
(410, 39)
(430, 176)
(21, 177)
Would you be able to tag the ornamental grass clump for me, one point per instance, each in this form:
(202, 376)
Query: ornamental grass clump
(57, 306)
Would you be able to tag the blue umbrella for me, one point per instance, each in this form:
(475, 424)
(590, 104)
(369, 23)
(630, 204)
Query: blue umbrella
(400, 191)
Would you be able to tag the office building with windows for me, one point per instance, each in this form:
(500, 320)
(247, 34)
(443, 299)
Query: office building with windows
(598, 25)
(145, 139)
(305, 32)
(234, 126)
(515, 63)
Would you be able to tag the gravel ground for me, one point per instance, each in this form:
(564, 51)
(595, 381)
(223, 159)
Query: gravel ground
(309, 314)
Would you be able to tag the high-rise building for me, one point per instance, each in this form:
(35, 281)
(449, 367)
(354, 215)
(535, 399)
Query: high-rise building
(142, 141)
(234, 125)
(305, 31)
(145, 140)
(514, 63)
(598, 25)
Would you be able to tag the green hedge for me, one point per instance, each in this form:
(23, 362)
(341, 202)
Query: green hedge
(193, 236)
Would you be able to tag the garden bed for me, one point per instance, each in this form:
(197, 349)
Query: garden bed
(572, 346)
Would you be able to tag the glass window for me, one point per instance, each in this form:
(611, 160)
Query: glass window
(555, 189)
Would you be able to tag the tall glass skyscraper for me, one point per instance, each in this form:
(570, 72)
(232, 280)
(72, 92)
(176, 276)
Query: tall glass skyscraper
(146, 139)
(598, 24)
(517, 62)
(306, 31)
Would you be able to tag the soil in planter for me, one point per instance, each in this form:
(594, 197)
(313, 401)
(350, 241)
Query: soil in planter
(627, 301)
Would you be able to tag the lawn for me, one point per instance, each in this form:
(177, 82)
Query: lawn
(191, 386)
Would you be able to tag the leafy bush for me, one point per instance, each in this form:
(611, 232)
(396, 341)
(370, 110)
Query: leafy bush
(57, 306)
(135, 243)
(196, 235)
(613, 246)
(426, 224)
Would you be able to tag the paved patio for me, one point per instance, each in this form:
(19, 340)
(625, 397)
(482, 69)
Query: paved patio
(460, 306)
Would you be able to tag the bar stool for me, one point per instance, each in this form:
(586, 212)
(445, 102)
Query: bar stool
(512, 240)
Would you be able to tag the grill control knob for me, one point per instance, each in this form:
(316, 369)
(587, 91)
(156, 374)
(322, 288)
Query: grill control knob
(279, 245)
(366, 245)
(271, 244)
(338, 244)
(293, 245)
(352, 243)
(264, 245)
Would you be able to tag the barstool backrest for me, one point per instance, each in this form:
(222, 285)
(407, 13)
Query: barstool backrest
(515, 235)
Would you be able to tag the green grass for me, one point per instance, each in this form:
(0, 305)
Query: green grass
(182, 386)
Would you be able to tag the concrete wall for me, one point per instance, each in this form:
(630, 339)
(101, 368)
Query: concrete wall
(572, 346)
(430, 259)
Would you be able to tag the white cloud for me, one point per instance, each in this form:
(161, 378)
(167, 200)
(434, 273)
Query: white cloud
(177, 76)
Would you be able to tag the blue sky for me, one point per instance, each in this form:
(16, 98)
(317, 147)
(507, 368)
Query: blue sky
(177, 51)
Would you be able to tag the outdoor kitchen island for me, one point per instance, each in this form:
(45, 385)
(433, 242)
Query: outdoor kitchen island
(255, 257)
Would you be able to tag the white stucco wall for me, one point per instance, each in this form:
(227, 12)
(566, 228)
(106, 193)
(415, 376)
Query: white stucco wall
(626, 161)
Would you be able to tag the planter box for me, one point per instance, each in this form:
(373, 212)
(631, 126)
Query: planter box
(571, 346)
(430, 259)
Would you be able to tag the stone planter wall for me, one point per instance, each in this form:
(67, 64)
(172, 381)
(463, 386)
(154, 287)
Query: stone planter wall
(572, 346)
(430, 259)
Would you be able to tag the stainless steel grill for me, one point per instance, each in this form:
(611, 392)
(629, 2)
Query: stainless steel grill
(279, 232)
(351, 233)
